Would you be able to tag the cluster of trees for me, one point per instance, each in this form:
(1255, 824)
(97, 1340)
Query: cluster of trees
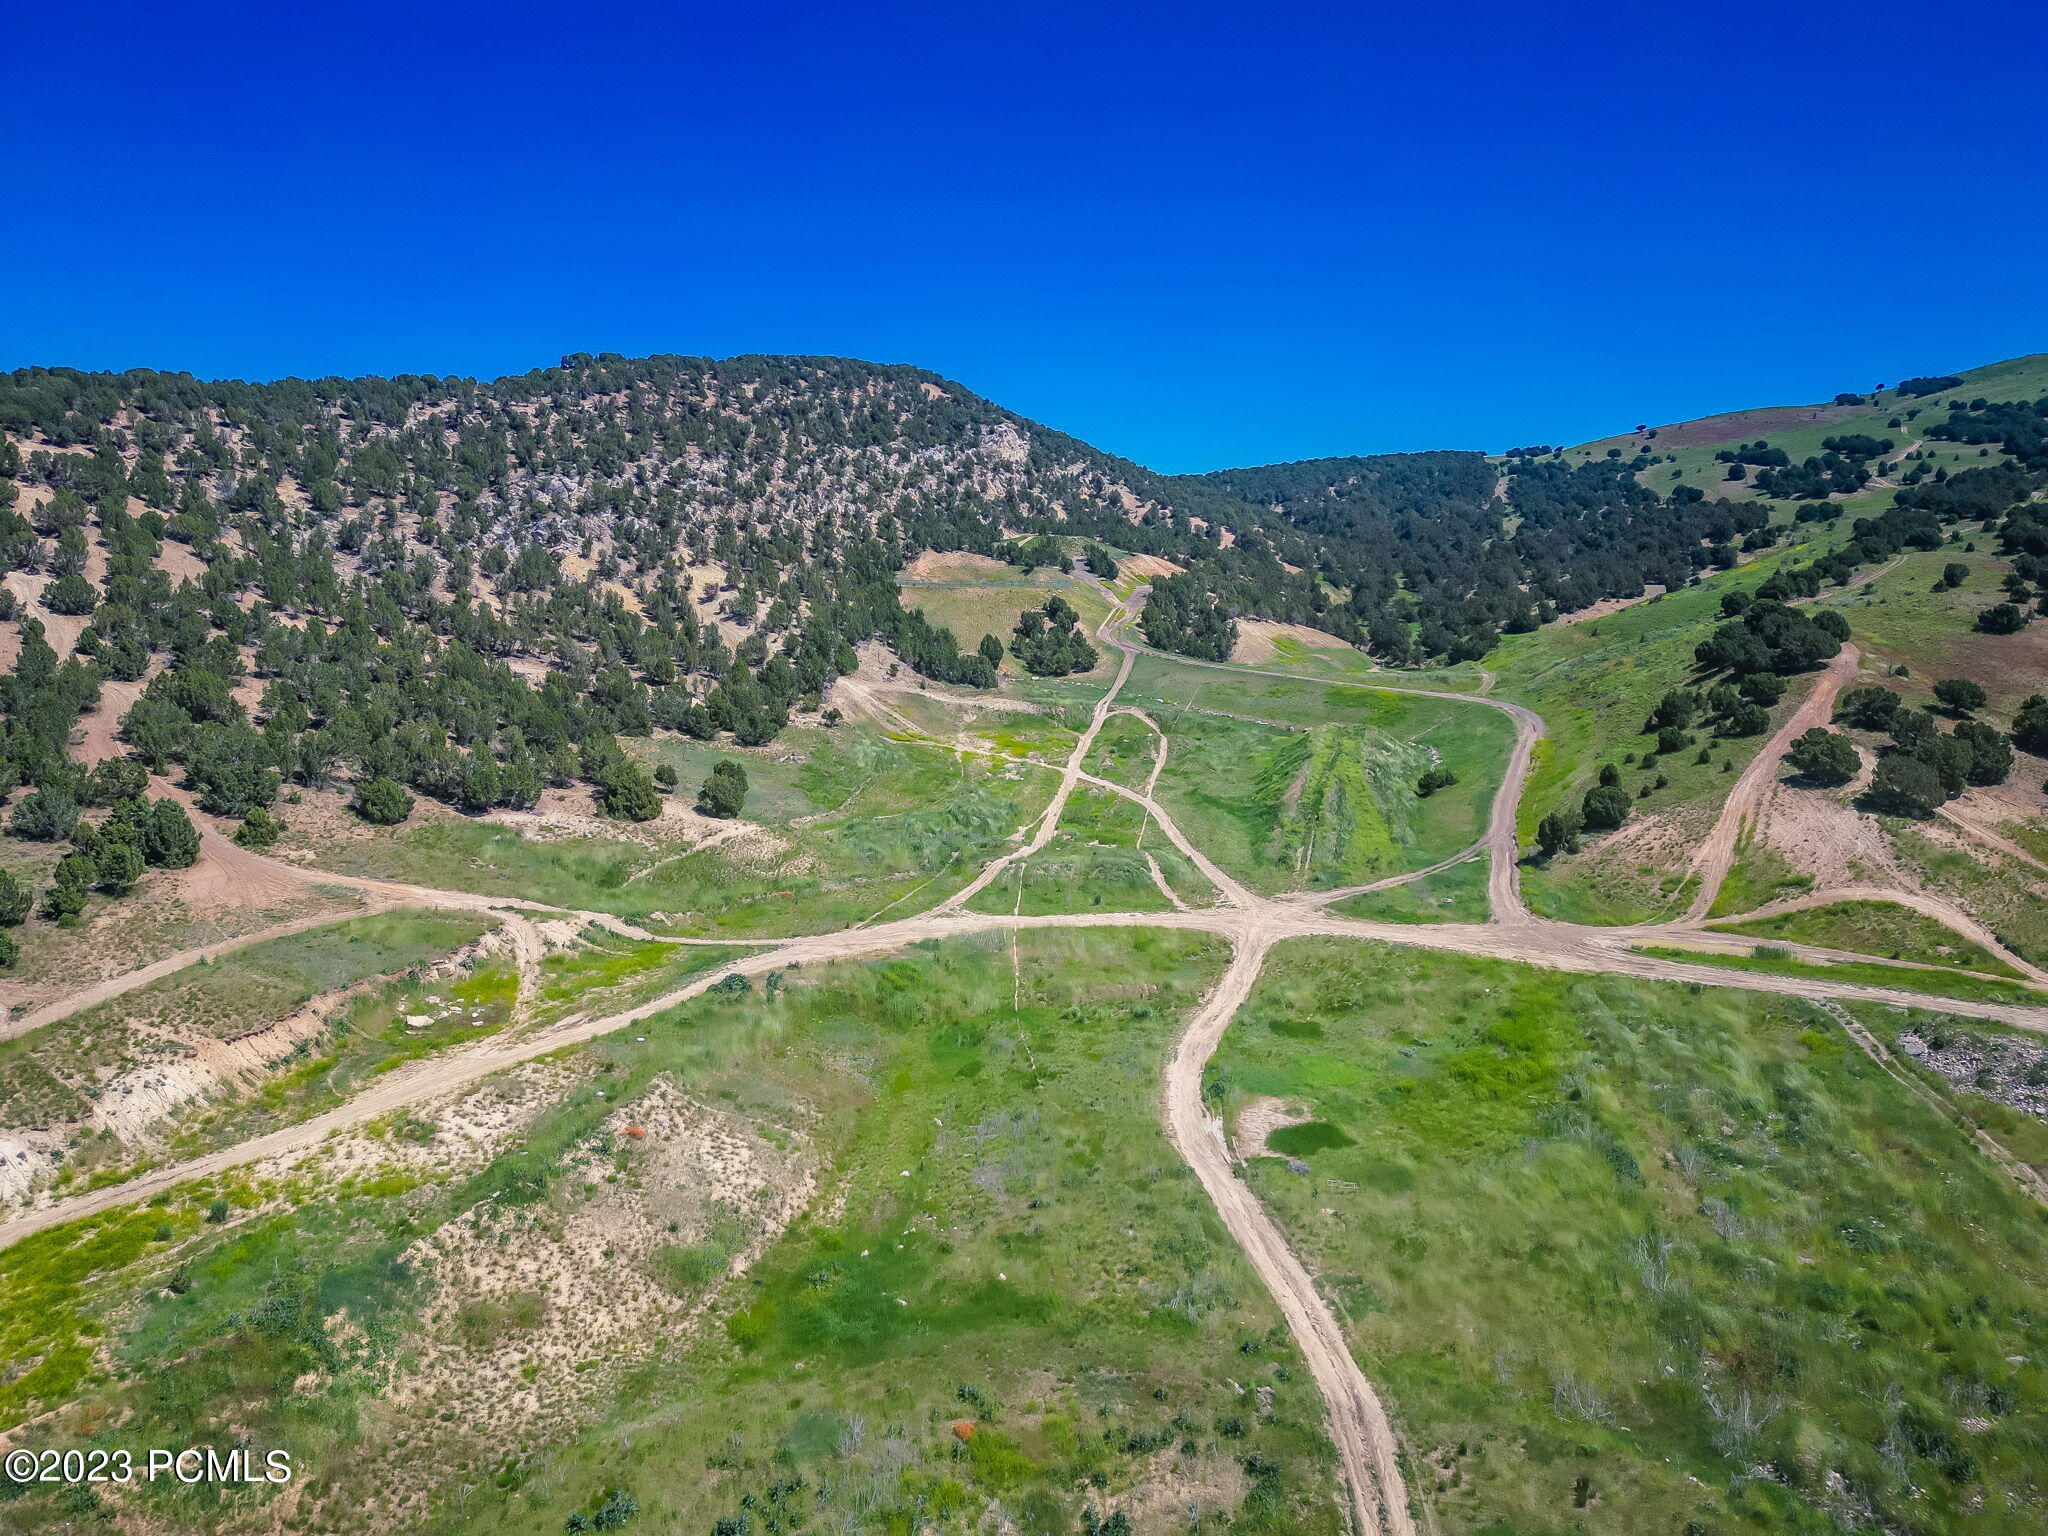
(1049, 641)
(2020, 427)
(1766, 636)
(1183, 615)
(1924, 765)
(106, 855)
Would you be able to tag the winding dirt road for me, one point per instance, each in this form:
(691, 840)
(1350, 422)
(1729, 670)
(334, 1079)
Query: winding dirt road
(1366, 1447)
(1250, 923)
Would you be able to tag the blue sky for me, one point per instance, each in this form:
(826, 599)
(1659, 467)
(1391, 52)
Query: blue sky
(1195, 235)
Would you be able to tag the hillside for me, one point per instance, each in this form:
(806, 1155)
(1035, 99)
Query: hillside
(765, 945)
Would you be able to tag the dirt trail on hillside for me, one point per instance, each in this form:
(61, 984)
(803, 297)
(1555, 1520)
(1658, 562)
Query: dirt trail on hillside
(1989, 838)
(1716, 856)
(1947, 913)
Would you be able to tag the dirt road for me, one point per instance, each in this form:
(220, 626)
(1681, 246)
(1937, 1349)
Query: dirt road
(1366, 1447)
(1716, 856)
(1946, 913)
(1251, 923)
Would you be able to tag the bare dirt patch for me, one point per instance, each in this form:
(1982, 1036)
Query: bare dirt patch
(1260, 1118)
(955, 565)
(1607, 605)
(1256, 640)
(1154, 565)
(1822, 834)
(538, 1309)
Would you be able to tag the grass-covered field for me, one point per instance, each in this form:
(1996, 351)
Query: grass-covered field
(1876, 928)
(1001, 1239)
(1627, 1257)
(973, 603)
(1289, 785)
(863, 823)
(1454, 895)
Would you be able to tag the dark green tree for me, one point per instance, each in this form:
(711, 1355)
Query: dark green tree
(1905, 786)
(382, 802)
(46, 816)
(724, 793)
(1960, 695)
(1559, 832)
(1605, 807)
(1826, 757)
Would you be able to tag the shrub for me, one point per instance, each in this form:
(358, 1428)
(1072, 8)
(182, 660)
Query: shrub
(1905, 786)
(382, 802)
(1824, 756)
(1559, 832)
(1434, 780)
(1604, 807)
(724, 793)
(1960, 694)
(47, 816)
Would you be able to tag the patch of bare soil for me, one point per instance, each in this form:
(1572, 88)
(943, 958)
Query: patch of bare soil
(1155, 565)
(1736, 426)
(1259, 1119)
(1821, 833)
(1607, 605)
(1255, 639)
(539, 1309)
(954, 565)
(171, 1065)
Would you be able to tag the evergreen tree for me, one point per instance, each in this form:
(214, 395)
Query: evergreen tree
(725, 790)
(382, 802)
(1824, 756)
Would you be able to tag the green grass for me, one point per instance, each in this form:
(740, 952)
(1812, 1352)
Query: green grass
(1900, 620)
(1317, 788)
(1759, 876)
(1002, 1235)
(1607, 1246)
(898, 821)
(1997, 890)
(2023, 1134)
(1454, 895)
(1876, 928)
(977, 608)
(1096, 861)
(1930, 981)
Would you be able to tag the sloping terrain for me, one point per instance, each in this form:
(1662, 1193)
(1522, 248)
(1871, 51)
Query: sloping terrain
(458, 1104)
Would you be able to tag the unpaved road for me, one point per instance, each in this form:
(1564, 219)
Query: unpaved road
(1250, 923)
(1365, 1440)
(1716, 856)
(1947, 913)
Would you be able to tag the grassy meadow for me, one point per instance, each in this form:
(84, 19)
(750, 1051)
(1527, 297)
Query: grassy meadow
(1628, 1257)
(1008, 1304)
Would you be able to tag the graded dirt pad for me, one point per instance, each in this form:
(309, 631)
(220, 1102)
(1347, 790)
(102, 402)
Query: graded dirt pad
(1821, 833)
(1148, 566)
(957, 565)
(1256, 637)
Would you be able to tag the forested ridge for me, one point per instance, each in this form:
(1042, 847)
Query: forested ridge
(466, 590)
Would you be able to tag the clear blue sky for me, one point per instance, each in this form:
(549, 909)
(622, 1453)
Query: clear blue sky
(1196, 235)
